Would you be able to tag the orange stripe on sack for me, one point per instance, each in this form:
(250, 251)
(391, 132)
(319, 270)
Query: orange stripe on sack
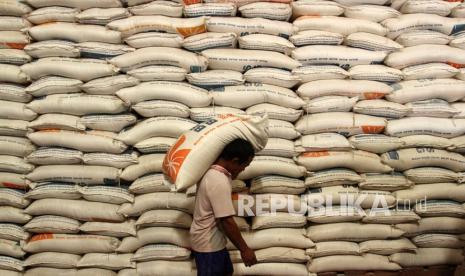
(189, 31)
(373, 95)
(18, 46)
(235, 196)
(50, 130)
(40, 237)
(12, 185)
(307, 16)
(316, 154)
(456, 65)
(372, 129)
(191, 2)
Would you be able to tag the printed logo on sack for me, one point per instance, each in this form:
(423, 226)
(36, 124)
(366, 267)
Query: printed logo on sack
(174, 159)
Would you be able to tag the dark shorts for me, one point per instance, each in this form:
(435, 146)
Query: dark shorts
(213, 263)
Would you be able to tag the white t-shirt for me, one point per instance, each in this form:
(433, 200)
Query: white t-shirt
(213, 200)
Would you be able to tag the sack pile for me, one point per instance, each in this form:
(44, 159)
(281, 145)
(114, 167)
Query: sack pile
(362, 167)
(14, 145)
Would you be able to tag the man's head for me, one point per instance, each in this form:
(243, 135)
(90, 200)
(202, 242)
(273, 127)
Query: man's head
(236, 156)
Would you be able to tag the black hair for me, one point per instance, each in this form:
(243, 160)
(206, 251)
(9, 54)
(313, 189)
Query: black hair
(240, 149)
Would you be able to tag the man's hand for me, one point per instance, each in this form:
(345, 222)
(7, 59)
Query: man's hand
(248, 257)
(229, 227)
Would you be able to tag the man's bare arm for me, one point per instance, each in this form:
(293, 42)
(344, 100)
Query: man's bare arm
(231, 230)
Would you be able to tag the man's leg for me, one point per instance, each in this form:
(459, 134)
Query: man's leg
(213, 263)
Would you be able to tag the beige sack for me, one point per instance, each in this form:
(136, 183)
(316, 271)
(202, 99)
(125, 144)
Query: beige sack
(376, 143)
(74, 32)
(160, 56)
(405, 159)
(440, 225)
(73, 244)
(442, 127)
(352, 232)
(158, 72)
(11, 248)
(330, 248)
(450, 191)
(82, 141)
(426, 175)
(422, 54)
(52, 259)
(52, 224)
(430, 71)
(243, 96)
(244, 26)
(360, 161)
(13, 215)
(151, 183)
(155, 235)
(78, 104)
(363, 89)
(428, 257)
(154, 201)
(262, 165)
(112, 123)
(279, 219)
(345, 123)
(151, 163)
(332, 177)
(321, 142)
(342, 25)
(275, 237)
(343, 263)
(330, 104)
(157, 126)
(387, 247)
(154, 252)
(427, 141)
(320, 72)
(438, 241)
(106, 261)
(165, 218)
(276, 184)
(417, 90)
(168, 91)
(381, 108)
(276, 268)
(109, 85)
(166, 268)
(181, 163)
(274, 254)
(228, 59)
(339, 55)
(70, 68)
(154, 39)
(13, 198)
(77, 209)
(385, 182)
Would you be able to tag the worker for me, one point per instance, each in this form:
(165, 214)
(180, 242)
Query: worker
(213, 213)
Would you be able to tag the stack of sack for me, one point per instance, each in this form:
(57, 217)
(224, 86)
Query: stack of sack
(364, 148)
(274, 179)
(364, 107)
(75, 186)
(432, 131)
(14, 145)
(343, 85)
